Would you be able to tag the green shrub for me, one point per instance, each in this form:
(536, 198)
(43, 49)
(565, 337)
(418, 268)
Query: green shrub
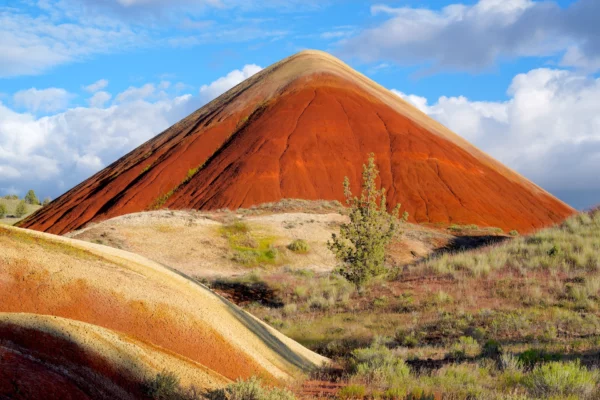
(251, 389)
(492, 349)
(165, 386)
(235, 228)
(562, 379)
(46, 201)
(530, 358)
(11, 197)
(3, 211)
(352, 392)
(419, 394)
(298, 246)
(378, 365)
(31, 198)
(466, 347)
(362, 242)
(21, 209)
(514, 233)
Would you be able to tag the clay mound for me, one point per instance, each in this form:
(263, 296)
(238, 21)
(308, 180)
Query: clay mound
(126, 293)
(54, 358)
(294, 131)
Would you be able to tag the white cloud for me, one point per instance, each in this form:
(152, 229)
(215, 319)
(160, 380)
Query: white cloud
(54, 153)
(99, 99)
(549, 129)
(54, 34)
(133, 93)
(46, 100)
(39, 35)
(98, 85)
(223, 84)
(473, 37)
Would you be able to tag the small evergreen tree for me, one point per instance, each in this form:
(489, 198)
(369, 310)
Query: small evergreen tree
(3, 211)
(46, 201)
(361, 243)
(31, 198)
(21, 209)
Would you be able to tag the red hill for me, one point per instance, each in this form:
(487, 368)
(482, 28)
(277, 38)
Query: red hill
(294, 131)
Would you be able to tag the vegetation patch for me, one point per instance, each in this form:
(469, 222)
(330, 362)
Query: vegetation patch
(250, 248)
(160, 201)
(299, 246)
(251, 389)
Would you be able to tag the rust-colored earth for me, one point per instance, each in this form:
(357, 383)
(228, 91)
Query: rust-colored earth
(71, 304)
(294, 131)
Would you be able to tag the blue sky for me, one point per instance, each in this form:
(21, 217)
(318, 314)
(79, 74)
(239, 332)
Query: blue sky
(83, 82)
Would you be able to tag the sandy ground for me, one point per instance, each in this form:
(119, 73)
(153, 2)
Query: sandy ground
(191, 241)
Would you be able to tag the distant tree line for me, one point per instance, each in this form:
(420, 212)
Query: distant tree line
(21, 210)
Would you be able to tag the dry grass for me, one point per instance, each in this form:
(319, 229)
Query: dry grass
(535, 299)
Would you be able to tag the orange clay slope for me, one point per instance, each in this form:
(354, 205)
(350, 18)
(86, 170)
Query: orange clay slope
(150, 306)
(295, 130)
(46, 357)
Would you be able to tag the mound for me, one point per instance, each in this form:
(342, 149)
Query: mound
(294, 131)
(193, 242)
(126, 293)
(49, 357)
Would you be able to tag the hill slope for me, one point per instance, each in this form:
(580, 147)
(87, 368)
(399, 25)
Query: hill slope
(295, 130)
(157, 308)
(48, 357)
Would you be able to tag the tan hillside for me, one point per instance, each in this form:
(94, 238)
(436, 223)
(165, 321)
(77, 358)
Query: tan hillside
(197, 243)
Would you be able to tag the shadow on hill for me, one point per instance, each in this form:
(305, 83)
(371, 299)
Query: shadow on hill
(465, 243)
(242, 293)
(53, 354)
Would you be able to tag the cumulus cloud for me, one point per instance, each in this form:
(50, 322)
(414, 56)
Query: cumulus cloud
(98, 85)
(32, 43)
(548, 130)
(46, 100)
(473, 37)
(99, 99)
(48, 33)
(54, 153)
(136, 93)
(223, 84)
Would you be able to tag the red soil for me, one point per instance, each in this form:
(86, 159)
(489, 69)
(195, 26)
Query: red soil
(253, 146)
(27, 288)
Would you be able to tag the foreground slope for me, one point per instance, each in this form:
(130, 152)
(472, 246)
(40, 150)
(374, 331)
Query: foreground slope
(295, 130)
(125, 293)
(55, 358)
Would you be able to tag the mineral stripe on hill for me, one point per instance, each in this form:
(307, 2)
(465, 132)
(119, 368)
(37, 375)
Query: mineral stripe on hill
(126, 293)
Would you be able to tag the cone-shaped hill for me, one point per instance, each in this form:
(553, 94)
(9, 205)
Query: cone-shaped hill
(295, 130)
